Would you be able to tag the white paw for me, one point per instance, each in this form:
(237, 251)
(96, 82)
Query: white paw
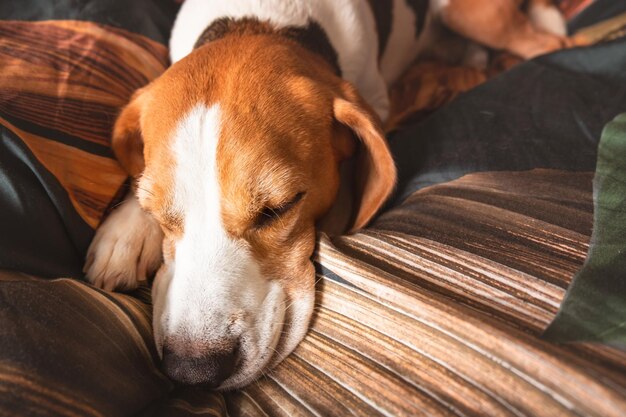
(125, 250)
(549, 19)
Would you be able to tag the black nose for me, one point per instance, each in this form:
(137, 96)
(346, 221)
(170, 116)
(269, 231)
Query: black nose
(210, 368)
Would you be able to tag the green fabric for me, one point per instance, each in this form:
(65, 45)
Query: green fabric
(595, 305)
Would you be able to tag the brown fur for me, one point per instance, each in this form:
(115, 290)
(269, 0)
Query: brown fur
(284, 132)
(289, 121)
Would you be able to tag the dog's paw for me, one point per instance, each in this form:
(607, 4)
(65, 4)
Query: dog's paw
(577, 40)
(544, 43)
(548, 19)
(125, 250)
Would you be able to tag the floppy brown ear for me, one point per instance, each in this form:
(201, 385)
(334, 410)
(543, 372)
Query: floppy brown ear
(375, 175)
(127, 141)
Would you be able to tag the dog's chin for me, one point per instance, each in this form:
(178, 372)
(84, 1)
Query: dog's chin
(285, 330)
(279, 326)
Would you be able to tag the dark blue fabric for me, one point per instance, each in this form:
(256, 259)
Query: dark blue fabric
(40, 232)
(546, 113)
(151, 18)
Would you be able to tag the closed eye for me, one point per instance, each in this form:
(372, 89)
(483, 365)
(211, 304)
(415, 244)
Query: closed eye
(270, 214)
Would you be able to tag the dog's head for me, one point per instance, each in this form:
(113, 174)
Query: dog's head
(237, 156)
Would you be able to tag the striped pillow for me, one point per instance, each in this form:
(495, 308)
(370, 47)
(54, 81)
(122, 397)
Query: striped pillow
(61, 87)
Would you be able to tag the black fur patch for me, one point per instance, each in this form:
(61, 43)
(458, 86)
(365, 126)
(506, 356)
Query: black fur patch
(311, 36)
(382, 15)
(420, 7)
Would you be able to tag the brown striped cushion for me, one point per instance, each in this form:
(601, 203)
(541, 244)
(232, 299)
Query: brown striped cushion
(61, 87)
(437, 309)
(71, 350)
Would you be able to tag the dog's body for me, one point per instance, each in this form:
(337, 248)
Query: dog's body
(236, 150)
(348, 25)
(375, 40)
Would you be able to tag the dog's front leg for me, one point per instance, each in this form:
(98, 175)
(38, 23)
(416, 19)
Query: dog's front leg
(500, 24)
(126, 248)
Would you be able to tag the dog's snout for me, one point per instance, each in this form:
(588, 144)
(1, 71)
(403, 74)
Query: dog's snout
(209, 367)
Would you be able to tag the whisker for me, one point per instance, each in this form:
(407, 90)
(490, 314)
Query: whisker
(145, 190)
(118, 204)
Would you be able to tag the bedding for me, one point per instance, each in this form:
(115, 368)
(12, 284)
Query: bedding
(438, 308)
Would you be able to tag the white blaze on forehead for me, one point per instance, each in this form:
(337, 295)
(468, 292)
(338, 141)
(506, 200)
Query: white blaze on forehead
(196, 186)
(215, 277)
(213, 290)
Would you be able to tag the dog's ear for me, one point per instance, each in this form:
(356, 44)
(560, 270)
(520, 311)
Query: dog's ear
(375, 175)
(127, 140)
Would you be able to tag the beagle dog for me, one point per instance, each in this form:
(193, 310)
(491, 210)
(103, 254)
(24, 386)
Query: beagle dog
(237, 153)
